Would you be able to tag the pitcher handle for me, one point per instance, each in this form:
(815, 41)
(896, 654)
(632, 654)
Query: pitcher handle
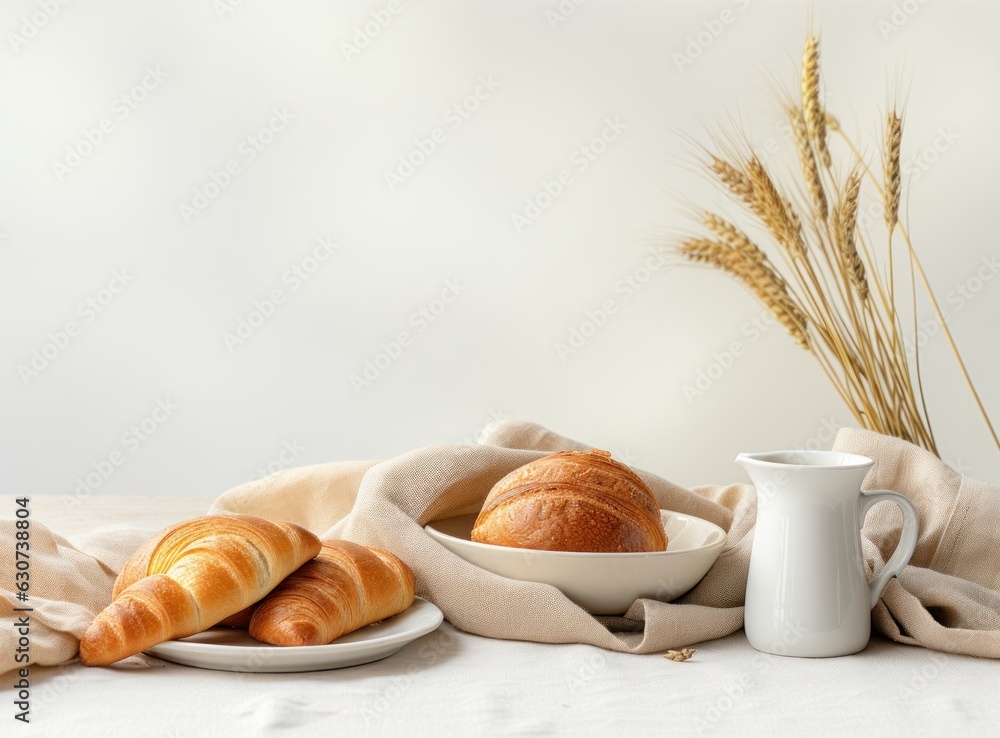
(907, 541)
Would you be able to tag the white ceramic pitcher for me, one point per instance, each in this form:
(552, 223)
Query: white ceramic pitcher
(806, 592)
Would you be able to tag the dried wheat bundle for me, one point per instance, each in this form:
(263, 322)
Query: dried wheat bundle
(826, 291)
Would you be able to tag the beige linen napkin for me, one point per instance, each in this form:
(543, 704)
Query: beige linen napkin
(948, 599)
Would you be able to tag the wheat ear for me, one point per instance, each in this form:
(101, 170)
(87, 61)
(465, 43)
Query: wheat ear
(812, 107)
(774, 210)
(890, 169)
(757, 276)
(846, 234)
(807, 160)
(733, 178)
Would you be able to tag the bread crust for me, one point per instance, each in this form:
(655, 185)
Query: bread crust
(191, 575)
(572, 501)
(346, 587)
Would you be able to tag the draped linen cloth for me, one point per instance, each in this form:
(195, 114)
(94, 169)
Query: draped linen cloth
(948, 598)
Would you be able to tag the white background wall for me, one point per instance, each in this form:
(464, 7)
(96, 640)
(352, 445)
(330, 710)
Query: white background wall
(493, 350)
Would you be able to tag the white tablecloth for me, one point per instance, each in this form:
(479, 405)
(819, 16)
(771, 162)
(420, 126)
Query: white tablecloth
(451, 683)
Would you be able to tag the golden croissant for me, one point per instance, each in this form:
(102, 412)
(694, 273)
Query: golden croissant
(344, 588)
(572, 501)
(190, 576)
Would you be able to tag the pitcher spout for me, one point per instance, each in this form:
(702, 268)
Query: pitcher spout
(759, 473)
(752, 463)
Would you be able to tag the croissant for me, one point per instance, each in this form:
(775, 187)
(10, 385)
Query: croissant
(572, 501)
(344, 588)
(190, 576)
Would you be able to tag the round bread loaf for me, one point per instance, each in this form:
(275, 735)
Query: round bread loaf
(572, 501)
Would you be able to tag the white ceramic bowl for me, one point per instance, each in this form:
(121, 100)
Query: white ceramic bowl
(601, 583)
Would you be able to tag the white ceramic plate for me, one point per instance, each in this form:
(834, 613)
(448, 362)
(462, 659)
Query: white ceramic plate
(229, 649)
(601, 583)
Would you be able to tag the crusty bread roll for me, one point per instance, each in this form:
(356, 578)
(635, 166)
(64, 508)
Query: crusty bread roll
(572, 501)
(190, 576)
(344, 588)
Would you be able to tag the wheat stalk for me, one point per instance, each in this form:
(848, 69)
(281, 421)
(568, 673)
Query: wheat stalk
(827, 295)
(938, 313)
